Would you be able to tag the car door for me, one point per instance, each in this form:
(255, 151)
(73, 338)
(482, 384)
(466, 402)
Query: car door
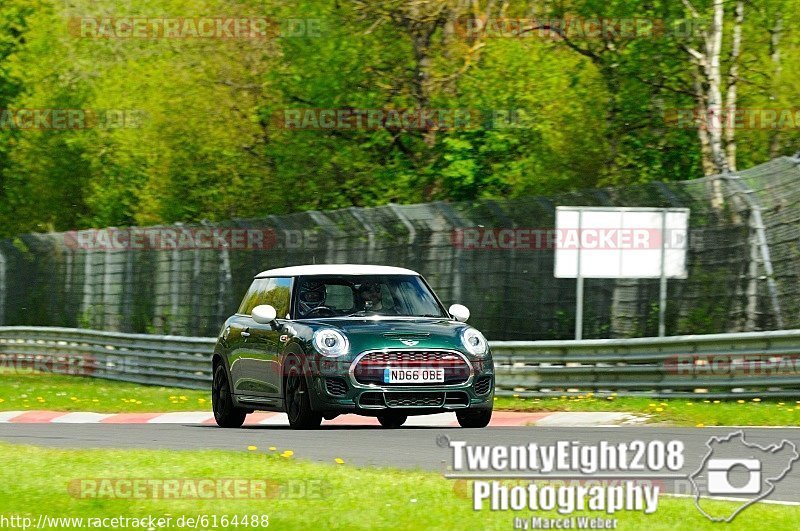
(256, 369)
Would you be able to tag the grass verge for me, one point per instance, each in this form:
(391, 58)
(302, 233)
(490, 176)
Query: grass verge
(20, 392)
(683, 412)
(43, 481)
(31, 391)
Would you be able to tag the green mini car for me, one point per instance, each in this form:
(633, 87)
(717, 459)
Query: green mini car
(317, 341)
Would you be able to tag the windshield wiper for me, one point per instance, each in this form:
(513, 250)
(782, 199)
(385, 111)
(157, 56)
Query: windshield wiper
(359, 313)
(365, 313)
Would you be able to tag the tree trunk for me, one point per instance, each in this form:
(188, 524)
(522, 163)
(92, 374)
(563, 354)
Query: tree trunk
(775, 55)
(715, 117)
(733, 79)
(702, 131)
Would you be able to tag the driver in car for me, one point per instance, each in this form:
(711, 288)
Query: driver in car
(369, 296)
(312, 296)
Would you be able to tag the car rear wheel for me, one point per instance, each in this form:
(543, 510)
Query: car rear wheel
(392, 421)
(474, 419)
(226, 413)
(298, 404)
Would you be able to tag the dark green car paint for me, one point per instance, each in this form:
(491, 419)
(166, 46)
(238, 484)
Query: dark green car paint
(257, 358)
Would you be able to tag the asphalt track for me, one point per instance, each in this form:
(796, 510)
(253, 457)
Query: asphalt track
(415, 447)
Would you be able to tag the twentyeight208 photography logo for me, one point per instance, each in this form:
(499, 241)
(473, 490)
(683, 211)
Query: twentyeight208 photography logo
(743, 471)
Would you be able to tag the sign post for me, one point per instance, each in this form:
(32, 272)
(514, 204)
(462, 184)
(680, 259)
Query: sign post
(607, 242)
(579, 290)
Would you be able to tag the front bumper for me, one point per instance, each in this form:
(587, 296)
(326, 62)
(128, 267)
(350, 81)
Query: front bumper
(336, 391)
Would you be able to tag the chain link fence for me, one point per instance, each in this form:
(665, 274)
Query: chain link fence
(485, 254)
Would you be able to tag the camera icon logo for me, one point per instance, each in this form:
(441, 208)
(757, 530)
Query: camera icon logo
(719, 476)
(743, 472)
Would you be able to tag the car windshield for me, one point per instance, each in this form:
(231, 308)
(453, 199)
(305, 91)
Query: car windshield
(365, 295)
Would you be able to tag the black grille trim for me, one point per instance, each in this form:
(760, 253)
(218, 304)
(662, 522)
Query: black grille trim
(414, 399)
(483, 385)
(336, 386)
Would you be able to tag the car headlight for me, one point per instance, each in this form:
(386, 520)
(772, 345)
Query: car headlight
(474, 342)
(331, 342)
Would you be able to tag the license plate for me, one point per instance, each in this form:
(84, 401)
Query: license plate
(413, 376)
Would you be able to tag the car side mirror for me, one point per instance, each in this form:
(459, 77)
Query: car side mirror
(459, 312)
(264, 314)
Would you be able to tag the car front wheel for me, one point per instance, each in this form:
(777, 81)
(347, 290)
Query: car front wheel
(298, 404)
(226, 413)
(474, 419)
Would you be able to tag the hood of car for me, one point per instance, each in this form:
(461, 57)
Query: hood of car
(423, 333)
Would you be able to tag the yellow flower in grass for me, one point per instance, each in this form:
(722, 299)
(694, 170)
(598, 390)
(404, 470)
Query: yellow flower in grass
(252, 448)
(756, 400)
(287, 453)
(700, 425)
(339, 461)
(659, 409)
(740, 401)
(716, 401)
(272, 448)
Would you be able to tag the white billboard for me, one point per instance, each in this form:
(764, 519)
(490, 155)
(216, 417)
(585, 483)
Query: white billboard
(606, 242)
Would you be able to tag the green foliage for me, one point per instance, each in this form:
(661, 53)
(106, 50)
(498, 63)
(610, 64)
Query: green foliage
(201, 139)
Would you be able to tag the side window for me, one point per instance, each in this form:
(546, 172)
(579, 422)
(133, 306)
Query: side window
(277, 294)
(273, 291)
(250, 300)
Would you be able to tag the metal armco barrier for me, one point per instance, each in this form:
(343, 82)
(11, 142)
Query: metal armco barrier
(171, 361)
(712, 366)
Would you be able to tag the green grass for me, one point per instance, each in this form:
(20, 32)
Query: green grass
(683, 412)
(20, 392)
(36, 481)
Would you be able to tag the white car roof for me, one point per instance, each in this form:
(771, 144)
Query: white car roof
(335, 269)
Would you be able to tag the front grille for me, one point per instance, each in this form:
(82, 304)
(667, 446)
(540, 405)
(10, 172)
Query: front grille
(336, 386)
(372, 400)
(483, 385)
(414, 399)
(370, 368)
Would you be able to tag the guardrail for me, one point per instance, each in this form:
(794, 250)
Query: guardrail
(172, 361)
(716, 366)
